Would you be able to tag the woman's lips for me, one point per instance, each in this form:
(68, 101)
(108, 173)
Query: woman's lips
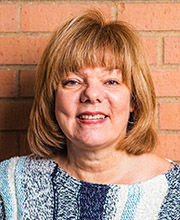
(92, 117)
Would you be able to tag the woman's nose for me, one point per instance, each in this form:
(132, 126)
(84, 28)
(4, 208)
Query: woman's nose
(92, 94)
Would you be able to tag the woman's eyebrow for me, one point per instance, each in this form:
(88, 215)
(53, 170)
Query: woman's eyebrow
(82, 73)
(79, 73)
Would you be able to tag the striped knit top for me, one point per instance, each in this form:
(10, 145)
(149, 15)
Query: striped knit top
(37, 188)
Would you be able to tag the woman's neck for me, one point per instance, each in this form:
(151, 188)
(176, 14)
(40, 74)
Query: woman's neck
(98, 166)
(111, 166)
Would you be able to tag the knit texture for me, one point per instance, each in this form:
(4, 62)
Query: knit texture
(36, 188)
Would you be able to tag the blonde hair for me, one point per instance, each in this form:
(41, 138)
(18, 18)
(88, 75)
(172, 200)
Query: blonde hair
(89, 41)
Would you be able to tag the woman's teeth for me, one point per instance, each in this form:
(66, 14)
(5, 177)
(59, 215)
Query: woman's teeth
(90, 117)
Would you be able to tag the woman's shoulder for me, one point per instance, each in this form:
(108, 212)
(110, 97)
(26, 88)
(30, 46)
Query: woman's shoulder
(26, 165)
(10, 162)
(169, 170)
(31, 159)
(7, 167)
(21, 180)
(173, 175)
(170, 206)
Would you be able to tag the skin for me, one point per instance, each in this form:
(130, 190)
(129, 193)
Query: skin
(93, 90)
(92, 155)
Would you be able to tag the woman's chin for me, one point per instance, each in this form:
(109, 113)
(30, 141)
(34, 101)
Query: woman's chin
(92, 143)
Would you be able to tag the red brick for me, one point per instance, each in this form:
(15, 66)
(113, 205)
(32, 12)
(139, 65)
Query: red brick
(169, 116)
(169, 146)
(42, 17)
(166, 82)
(21, 50)
(172, 50)
(8, 145)
(14, 114)
(8, 18)
(151, 16)
(27, 81)
(150, 46)
(7, 79)
(24, 147)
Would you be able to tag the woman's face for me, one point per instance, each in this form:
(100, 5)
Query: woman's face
(92, 107)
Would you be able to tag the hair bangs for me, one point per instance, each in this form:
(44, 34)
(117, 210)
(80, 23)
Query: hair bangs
(98, 48)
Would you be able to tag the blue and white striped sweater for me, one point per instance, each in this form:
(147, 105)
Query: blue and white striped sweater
(36, 188)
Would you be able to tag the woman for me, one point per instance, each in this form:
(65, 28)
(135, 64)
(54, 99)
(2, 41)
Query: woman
(91, 132)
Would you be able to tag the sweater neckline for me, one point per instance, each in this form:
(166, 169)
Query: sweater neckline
(65, 179)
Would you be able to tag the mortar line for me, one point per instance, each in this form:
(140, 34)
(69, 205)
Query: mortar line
(91, 1)
(17, 84)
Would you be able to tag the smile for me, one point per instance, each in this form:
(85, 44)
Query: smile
(92, 117)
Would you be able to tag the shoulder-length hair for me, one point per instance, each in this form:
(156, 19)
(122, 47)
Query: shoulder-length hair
(89, 40)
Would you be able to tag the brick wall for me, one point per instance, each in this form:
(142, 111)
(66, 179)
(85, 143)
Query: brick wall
(25, 28)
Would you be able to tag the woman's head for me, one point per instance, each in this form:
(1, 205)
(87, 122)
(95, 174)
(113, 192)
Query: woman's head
(88, 41)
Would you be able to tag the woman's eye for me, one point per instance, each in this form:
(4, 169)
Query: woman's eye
(112, 82)
(70, 83)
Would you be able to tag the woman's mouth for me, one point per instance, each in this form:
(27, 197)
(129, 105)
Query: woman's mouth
(92, 117)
